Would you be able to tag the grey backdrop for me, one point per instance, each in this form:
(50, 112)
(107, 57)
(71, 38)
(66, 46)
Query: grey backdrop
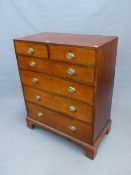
(31, 152)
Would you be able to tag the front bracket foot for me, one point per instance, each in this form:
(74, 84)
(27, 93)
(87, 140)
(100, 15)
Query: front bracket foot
(30, 124)
(90, 153)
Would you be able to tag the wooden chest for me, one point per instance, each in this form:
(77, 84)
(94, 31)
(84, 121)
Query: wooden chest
(67, 83)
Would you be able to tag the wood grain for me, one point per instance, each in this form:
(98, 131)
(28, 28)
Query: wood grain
(106, 59)
(84, 112)
(40, 50)
(83, 56)
(83, 74)
(60, 122)
(77, 40)
(94, 63)
(58, 86)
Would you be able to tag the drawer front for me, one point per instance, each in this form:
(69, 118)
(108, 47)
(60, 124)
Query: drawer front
(31, 49)
(60, 122)
(76, 55)
(58, 86)
(71, 107)
(34, 64)
(73, 72)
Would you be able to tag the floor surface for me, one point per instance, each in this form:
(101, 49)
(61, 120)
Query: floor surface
(24, 151)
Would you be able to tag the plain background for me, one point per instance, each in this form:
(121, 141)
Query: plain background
(31, 152)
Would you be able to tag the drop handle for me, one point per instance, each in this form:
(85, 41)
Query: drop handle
(35, 80)
(70, 55)
(71, 89)
(71, 71)
(72, 128)
(32, 63)
(37, 97)
(40, 114)
(71, 108)
(29, 51)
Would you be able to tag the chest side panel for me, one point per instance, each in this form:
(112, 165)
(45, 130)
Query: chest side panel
(105, 71)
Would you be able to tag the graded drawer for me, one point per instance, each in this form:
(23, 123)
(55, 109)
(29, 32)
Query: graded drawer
(34, 64)
(77, 55)
(73, 72)
(58, 86)
(73, 108)
(31, 49)
(60, 122)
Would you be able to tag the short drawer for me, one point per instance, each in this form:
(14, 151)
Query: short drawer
(73, 108)
(34, 64)
(31, 49)
(74, 72)
(58, 86)
(60, 122)
(77, 55)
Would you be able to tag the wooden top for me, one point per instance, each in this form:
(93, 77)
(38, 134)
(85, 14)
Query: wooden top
(69, 39)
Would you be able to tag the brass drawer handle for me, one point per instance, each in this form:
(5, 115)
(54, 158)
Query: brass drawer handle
(70, 55)
(71, 71)
(35, 80)
(72, 109)
(30, 51)
(37, 97)
(40, 114)
(32, 63)
(71, 89)
(72, 128)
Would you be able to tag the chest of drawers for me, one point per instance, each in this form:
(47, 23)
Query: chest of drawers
(67, 82)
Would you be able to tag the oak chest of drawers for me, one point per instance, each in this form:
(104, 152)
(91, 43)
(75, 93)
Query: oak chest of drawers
(67, 83)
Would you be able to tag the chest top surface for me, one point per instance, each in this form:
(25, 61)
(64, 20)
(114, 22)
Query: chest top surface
(83, 40)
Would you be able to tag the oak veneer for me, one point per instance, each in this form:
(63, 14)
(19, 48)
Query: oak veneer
(40, 50)
(50, 63)
(83, 111)
(60, 122)
(83, 56)
(58, 69)
(58, 86)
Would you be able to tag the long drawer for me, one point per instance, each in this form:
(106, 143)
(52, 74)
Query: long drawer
(70, 71)
(58, 86)
(60, 122)
(73, 108)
